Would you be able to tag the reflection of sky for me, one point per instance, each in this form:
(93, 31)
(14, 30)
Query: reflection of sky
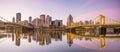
(93, 45)
(111, 44)
(60, 9)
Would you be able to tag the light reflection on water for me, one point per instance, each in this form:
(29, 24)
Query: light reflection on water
(57, 41)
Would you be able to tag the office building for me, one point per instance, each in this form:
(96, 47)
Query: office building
(13, 19)
(69, 20)
(42, 17)
(57, 23)
(48, 20)
(18, 17)
(30, 20)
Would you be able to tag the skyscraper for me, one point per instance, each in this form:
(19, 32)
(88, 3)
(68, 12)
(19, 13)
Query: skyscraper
(18, 17)
(36, 22)
(42, 17)
(30, 19)
(86, 22)
(13, 20)
(69, 20)
(48, 20)
(57, 23)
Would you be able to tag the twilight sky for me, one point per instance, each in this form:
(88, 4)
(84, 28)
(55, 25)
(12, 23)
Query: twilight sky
(60, 9)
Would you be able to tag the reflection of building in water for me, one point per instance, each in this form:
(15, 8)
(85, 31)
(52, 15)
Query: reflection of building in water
(17, 42)
(43, 38)
(88, 38)
(71, 37)
(56, 35)
(29, 37)
(48, 39)
(69, 40)
(12, 36)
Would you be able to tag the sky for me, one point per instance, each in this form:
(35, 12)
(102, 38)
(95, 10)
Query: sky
(60, 9)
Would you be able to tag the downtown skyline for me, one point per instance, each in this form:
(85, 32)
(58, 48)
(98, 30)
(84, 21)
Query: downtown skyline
(60, 9)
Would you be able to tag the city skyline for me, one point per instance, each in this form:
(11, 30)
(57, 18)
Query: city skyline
(59, 25)
(79, 9)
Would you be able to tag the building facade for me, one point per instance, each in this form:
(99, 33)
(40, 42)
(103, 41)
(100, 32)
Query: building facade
(30, 20)
(42, 17)
(25, 22)
(36, 22)
(48, 20)
(18, 17)
(86, 22)
(13, 19)
(57, 23)
(69, 20)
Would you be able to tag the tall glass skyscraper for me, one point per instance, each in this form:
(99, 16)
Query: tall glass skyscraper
(18, 17)
(69, 20)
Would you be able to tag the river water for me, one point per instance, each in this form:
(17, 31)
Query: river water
(57, 41)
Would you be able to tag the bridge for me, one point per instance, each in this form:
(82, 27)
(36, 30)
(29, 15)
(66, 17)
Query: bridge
(5, 23)
(100, 22)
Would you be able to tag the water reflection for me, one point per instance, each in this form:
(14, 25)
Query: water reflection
(43, 38)
(85, 39)
(92, 35)
(71, 37)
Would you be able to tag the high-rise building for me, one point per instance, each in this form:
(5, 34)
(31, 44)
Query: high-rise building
(30, 19)
(18, 17)
(42, 17)
(91, 22)
(48, 20)
(69, 41)
(13, 20)
(57, 23)
(86, 22)
(69, 20)
(80, 23)
(36, 22)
